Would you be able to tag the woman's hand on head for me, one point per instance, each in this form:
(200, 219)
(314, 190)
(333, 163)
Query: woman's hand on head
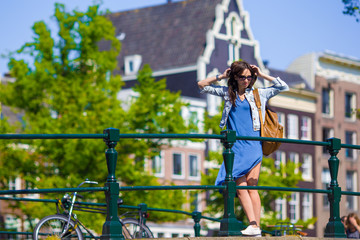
(256, 69)
(226, 74)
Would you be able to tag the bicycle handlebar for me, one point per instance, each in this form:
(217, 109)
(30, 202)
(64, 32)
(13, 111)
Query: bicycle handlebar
(87, 181)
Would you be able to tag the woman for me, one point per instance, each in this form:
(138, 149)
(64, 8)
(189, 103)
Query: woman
(353, 226)
(241, 115)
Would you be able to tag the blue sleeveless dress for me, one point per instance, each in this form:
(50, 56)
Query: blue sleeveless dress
(247, 153)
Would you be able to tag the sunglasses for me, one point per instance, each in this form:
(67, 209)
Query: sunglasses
(241, 77)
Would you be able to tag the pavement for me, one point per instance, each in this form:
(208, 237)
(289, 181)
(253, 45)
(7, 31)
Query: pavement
(250, 238)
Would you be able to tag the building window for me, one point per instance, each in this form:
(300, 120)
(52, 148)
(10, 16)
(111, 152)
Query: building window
(327, 133)
(132, 64)
(233, 29)
(14, 184)
(157, 165)
(293, 126)
(294, 157)
(307, 167)
(351, 186)
(325, 180)
(193, 122)
(280, 158)
(30, 185)
(233, 52)
(12, 222)
(294, 208)
(194, 166)
(280, 208)
(281, 118)
(350, 106)
(306, 128)
(194, 200)
(178, 168)
(350, 138)
(214, 104)
(327, 102)
(307, 206)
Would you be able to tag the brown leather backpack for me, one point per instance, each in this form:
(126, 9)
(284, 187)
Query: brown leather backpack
(270, 128)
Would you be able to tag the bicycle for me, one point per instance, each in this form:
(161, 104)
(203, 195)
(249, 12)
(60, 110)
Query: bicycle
(66, 225)
(286, 228)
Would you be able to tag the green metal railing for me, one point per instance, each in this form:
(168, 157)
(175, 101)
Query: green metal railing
(229, 225)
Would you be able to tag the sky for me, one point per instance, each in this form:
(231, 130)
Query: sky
(285, 29)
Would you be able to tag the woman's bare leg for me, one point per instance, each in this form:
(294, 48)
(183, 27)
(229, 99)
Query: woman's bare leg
(250, 199)
(252, 179)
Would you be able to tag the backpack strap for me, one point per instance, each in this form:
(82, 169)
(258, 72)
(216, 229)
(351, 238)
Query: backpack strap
(258, 105)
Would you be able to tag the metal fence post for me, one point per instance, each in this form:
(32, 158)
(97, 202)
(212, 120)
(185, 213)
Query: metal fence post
(143, 211)
(197, 217)
(112, 228)
(229, 224)
(334, 228)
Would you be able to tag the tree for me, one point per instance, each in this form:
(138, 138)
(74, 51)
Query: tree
(69, 88)
(284, 176)
(352, 8)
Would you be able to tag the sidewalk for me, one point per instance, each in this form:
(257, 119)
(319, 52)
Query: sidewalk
(250, 238)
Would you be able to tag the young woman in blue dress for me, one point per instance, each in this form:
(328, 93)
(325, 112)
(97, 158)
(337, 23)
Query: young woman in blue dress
(241, 115)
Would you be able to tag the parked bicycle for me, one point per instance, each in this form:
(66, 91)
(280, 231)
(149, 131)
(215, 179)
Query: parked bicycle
(66, 225)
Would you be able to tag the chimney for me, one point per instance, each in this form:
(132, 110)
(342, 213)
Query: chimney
(266, 63)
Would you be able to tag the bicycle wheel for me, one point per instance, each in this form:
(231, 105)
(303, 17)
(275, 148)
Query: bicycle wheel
(132, 229)
(51, 228)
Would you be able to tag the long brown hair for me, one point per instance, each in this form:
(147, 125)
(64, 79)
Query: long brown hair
(354, 216)
(237, 68)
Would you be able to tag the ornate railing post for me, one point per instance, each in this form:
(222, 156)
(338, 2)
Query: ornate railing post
(229, 224)
(197, 217)
(334, 228)
(143, 211)
(112, 228)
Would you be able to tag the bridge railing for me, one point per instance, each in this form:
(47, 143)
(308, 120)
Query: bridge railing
(229, 225)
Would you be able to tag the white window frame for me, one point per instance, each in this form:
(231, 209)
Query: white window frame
(352, 118)
(182, 175)
(197, 177)
(307, 206)
(294, 208)
(305, 128)
(294, 157)
(12, 222)
(352, 187)
(307, 167)
(353, 142)
(293, 126)
(280, 208)
(160, 158)
(233, 26)
(282, 121)
(192, 193)
(132, 64)
(31, 195)
(14, 184)
(280, 158)
(325, 181)
(331, 103)
(331, 134)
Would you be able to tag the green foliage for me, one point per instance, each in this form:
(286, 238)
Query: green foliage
(68, 89)
(352, 8)
(285, 176)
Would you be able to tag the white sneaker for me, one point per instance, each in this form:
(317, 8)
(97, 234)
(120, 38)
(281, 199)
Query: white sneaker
(252, 231)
